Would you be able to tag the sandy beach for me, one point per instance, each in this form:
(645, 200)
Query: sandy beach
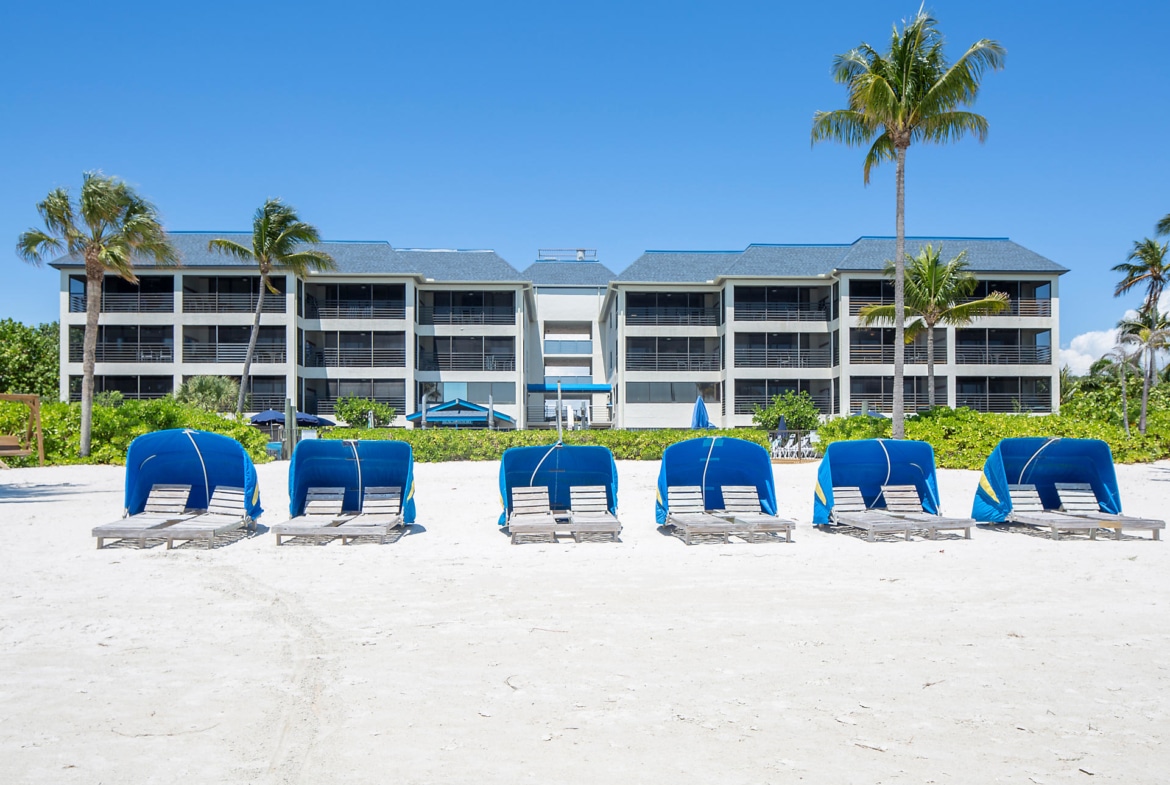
(452, 656)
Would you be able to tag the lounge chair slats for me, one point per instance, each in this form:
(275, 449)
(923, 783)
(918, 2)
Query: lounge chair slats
(741, 504)
(531, 514)
(1079, 499)
(589, 512)
(686, 510)
(1028, 508)
(321, 516)
(904, 501)
(165, 505)
(225, 513)
(381, 512)
(849, 509)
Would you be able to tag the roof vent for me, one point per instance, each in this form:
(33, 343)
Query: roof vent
(566, 255)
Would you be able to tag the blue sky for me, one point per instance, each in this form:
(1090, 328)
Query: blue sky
(616, 126)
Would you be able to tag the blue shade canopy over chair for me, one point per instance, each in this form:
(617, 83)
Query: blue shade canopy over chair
(710, 463)
(869, 464)
(1043, 462)
(558, 467)
(200, 459)
(353, 465)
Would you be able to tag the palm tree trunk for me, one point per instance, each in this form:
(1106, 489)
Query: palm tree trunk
(251, 346)
(1124, 399)
(930, 364)
(94, 274)
(899, 429)
(1146, 389)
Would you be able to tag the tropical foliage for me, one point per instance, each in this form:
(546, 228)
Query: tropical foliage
(798, 411)
(1148, 333)
(1146, 266)
(30, 359)
(356, 412)
(209, 393)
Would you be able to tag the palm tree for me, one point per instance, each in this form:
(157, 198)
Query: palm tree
(910, 94)
(110, 227)
(1148, 332)
(1163, 226)
(1146, 265)
(937, 293)
(1121, 359)
(278, 239)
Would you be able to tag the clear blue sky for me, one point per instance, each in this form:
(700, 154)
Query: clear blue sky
(621, 126)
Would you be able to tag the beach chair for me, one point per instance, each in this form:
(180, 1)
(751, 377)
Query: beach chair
(225, 513)
(589, 513)
(321, 517)
(381, 512)
(165, 505)
(1027, 508)
(849, 509)
(904, 501)
(687, 511)
(741, 505)
(531, 514)
(1079, 499)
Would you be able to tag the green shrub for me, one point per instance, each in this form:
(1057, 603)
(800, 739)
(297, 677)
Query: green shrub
(797, 409)
(356, 412)
(210, 393)
(109, 398)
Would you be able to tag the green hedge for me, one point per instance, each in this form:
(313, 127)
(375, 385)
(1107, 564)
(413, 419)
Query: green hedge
(115, 427)
(445, 444)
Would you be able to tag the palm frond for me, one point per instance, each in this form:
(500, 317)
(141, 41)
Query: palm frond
(882, 150)
(34, 245)
(964, 313)
(959, 84)
(301, 262)
(231, 248)
(1163, 226)
(842, 125)
(950, 127)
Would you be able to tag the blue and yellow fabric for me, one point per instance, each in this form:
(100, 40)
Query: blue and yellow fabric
(353, 465)
(182, 456)
(712, 462)
(869, 464)
(558, 467)
(1043, 462)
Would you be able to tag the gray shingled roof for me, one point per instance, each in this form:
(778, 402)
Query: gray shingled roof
(802, 261)
(439, 265)
(568, 274)
(678, 266)
(984, 254)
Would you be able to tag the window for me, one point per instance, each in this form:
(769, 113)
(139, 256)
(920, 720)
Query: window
(672, 392)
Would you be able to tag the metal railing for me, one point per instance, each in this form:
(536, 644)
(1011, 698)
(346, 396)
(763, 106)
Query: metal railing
(567, 347)
(75, 395)
(878, 355)
(857, 303)
(153, 302)
(465, 361)
(258, 402)
(781, 312)
(357, 309)
(673, 362)
(1024, 306)
(1003, 355)
(429, 314)
(746, 403)
(544, 414)
(884, 402)
(783, 358)
(232, 353)
(231, 303)
(1005, 402)
(676, 316)
(126, 353)
(356, 358)
(329, 406)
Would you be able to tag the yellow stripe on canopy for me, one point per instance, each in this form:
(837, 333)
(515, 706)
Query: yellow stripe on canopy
(821, 495)
(986, 486)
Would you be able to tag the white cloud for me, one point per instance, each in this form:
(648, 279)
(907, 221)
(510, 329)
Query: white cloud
(1086, 349)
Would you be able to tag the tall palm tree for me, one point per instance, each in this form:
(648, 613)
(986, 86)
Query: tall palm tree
(909, 94)
(1118, 359)
(1147, 266)
(110, 227)
(1148, 332)
(937, 292)
(278, 240)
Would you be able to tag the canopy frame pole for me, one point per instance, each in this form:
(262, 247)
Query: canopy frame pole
(358, 462)
(1043, 447)
(206, 484)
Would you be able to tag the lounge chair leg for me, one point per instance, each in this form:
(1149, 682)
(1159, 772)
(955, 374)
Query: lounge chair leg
(1055, 533)
(907, 534)
(1157, 534)
(278, 540)
(1117, 532)
(102, 539)
(967, 533)
(869, 535)
(1093, 534)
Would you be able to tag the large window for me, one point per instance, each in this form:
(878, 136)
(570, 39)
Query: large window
(476, 392)
(672, 392)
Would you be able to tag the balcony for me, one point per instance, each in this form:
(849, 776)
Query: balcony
(746, 404)
(1024, 306)
(544, 414)
(781, 312)
(884, 355)
(126, 353)
(1005, 403)
(329, 405)
(429, 314)
(258, 402)
(231, 303)
(158, 302)
(356, 358)
(568, 347)
(232, 353)
(357, 309)
(783, 358)
(685, 316)
(465, 361)
(884, 402)
(857, 303)
(673, 362)
(75, 395)
(1003, 355)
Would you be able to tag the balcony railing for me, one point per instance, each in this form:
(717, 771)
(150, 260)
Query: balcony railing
(357, 309)
(567, 347)
(673, 362)
(1005, 402)
(232, 353)
(746, 403)
(884, 402)
(878, 355)
(1003, 355)
(781, 312)
(329, 406)
(1024, 306)
(126, 353)
(465, 361)
(675, 316)
(857, 303)
(75, 395)
(231, 303)
(783, 358)
(155, 302)
(544, 414)
(429, 314)
(258, 402)
(356, 358)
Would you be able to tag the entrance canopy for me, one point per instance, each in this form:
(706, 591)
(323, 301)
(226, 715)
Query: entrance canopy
(1043, 462)
(711, 463)
(200, 459)
(460, 412)
(871, 463)
(353, 465)
(558, 467)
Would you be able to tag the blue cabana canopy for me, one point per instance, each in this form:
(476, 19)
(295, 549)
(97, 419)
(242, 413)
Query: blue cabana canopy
(200, 459)
(712, 462)
(871, 463)
(559, 467)
(1043, 462)
(353, 465)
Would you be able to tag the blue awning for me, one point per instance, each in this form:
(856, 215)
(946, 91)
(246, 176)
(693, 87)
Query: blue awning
(459, 411)
(570, 388)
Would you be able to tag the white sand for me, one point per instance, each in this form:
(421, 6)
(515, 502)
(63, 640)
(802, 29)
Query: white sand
(452, 656)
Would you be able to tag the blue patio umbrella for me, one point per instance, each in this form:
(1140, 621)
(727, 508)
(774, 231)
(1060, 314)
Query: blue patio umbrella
(699, 418)
(271, 416)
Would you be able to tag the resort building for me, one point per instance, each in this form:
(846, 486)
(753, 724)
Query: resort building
(471, 341)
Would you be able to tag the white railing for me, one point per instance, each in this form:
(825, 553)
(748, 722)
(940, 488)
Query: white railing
(1005, 402)
(783, 358)
(673, 362)
(465, 361)
(781, 312)
(884, 355)
(1003, 355)
(126, 353)
(231, 303)
(746, 404)
(669, 316)
(232, 353)
(429, 314)
(357, 309)
(151, 302)
(356, 358)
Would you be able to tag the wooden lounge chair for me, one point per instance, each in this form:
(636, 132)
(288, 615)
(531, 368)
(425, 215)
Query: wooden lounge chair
(1027, 508)
(903, 501)
(531, 514)
(381, 512)
(741, 504)
(589, 513)
(165, 505)
(687, 511)
(225, 513)
(321, 517)
(849, 509)
(1079, 499)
